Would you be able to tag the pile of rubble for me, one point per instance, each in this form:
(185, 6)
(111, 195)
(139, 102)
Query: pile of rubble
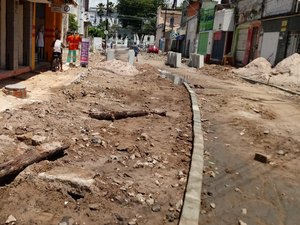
(118, 67)
(286, 73)
(259, 69)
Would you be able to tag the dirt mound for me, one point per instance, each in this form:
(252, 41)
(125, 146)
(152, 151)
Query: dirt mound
(287, 72)
(290, 65)
(259, 68)
(118, 67)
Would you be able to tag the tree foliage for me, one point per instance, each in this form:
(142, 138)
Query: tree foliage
(73, 25)
(102, 9)
(98, 31)
(139, 15)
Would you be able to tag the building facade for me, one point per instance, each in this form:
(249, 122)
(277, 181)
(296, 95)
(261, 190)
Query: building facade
(167, 22)
(206, 24)
(281, 26)
(28, 29)
(222, 33)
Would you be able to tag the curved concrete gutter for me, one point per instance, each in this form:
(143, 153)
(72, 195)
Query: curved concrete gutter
(192, 199)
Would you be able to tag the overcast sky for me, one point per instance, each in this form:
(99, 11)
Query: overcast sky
(93, 3)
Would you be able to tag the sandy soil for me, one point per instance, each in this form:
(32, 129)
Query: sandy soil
(115, 172)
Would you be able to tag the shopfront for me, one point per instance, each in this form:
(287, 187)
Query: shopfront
(286, 38)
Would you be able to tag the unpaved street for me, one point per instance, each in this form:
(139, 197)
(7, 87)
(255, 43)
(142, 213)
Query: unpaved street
(134, 170)
(240, 119)
(124, 171)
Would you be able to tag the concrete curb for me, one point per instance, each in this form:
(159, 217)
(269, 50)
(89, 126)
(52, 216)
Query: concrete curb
(192, 199)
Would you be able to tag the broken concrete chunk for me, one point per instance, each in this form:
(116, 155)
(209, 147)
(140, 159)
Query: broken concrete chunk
(179, 205)
(95, 207)
(122, 148)
(132, 222)
(242, 223)
(211, 174)
(281, 152)
(67, 221)
(155, 207)
(11, 220)
(37, 140)
(244, 211)
(263, 158)
(140, 198)
(27, 137)
(212, 205)
(144, 137)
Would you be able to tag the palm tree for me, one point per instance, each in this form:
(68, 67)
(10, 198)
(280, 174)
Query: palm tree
(102, 9)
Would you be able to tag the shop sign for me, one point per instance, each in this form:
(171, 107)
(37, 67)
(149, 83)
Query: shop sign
(84, 54)
(60, 8)
(207, 16)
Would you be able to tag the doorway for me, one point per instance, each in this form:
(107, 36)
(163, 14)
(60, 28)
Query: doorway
(254, 44)
(40, 32)
(293, 44)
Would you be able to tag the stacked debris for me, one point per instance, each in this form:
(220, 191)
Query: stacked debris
(258, 69)
(286, 73)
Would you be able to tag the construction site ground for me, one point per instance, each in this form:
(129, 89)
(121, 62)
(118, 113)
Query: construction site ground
(134, 170)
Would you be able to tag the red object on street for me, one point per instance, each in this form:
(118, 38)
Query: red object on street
(152, 49)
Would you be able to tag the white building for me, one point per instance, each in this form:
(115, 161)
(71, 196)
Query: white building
(81, 12)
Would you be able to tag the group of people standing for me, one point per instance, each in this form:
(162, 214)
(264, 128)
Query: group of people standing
(73, 42)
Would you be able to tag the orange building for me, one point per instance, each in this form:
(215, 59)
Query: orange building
(22, 45)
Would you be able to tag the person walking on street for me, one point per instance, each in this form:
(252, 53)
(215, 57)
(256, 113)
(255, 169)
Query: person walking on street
(136, 52)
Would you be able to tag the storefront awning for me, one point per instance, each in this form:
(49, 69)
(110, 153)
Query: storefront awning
(72, 2)
(40, 1)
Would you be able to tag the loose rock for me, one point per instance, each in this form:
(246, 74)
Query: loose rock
(132, 222)
(67, 221)
(262, 157)
(144, 137)
(211, 174)
(38, 140)
(122, 148)
(11, 220)
(156, 207)
(280, 152)
(212, 205)
(242, 223)
(244, 211)
(170, 217)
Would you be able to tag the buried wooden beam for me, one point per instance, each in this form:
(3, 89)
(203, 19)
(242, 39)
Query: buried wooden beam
(9, 170)
(122, 114)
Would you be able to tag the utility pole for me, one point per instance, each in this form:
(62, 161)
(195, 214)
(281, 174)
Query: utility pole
(166, 10)
(106, 33)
